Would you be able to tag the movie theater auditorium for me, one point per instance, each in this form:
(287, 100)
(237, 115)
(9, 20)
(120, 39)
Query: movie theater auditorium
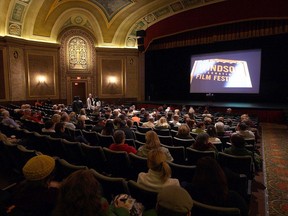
(137, 57)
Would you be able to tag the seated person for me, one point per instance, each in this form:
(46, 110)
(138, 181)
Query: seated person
(81, 123)
(121, 125)
(200, 128)
(220, 126)
(7, 120)
(238, 146)
(48, 127)
(37, 195)
(162, 124)
(120, 145)
(60, 132)
(153, 142)
(80, 194)
(159, 173)
(174, 201)
(99, 126)
(175, 122)
(108, 128)
(211, 131)
(238, 149)
(209, 186)
(242, 129)
(184, 132)
(202, 143)
(149, 123)
(65, 119)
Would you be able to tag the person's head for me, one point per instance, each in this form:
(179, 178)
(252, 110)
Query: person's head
(5, 114)
(39, 169)
(64, 117)
(129, 123)
(142, 110)
(116, 112)
(60, 127)
(119, 136)
(211, 130)
(82, 111)
(162, 120)
(200, 125)
(160, 109)
(101, 121)
(56, 118)
(157, 161)
(117, 122)
(207, 120)
(176, 118)
(183, 130)
(174, 201)
(210, 179)
(202, 139)
(108, 128)
(242, 126)
(237, 140)
(152, 140)
(49, 124)
(72, 115)
(228, 110)
(109, 124)
(220, 119)
(80, 194)
(146, 115)
(169, 115)
(190, 123)
(176, 112)
(151, 119)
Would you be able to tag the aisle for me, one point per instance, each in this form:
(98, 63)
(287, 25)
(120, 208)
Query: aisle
(275, 144)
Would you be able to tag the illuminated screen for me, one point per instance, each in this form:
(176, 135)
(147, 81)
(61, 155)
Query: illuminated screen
(226, 72)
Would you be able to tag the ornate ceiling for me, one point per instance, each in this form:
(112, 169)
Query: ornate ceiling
(112, 22)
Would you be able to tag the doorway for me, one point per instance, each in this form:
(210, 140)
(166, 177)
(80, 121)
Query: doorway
(79, 89)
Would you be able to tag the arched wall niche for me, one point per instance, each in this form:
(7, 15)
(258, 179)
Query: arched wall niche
(77, 63)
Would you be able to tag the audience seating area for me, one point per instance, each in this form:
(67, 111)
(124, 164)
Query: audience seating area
(117, 171)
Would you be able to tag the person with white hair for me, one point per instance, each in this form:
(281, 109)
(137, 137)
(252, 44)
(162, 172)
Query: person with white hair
(9, 121)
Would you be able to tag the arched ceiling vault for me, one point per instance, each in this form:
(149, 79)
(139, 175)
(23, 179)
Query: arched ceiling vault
(113, 23)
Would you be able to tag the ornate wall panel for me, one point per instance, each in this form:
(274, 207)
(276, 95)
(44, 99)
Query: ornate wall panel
(112, 77)
(2, 76)
(77, 60)
(42, 74)
(132, 87)
(17, 73)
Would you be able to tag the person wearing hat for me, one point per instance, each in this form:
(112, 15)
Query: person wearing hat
(174, 201)
(99, 126)
(36, 195)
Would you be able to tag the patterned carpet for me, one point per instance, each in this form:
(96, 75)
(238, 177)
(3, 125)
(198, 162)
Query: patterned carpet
(275, 144)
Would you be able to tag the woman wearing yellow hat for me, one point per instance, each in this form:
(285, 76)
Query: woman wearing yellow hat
(35, 195)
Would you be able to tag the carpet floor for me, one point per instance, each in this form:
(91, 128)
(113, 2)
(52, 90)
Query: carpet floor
(275, 144)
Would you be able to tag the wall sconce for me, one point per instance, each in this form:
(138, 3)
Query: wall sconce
(112, 80)
(41, 79)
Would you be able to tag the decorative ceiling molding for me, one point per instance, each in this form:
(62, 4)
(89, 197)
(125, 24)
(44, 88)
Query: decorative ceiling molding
(16, 17)
(111, 7)
(112, 19)
(162, 13)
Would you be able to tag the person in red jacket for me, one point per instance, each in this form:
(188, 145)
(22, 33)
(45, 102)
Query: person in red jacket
(120, 145)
